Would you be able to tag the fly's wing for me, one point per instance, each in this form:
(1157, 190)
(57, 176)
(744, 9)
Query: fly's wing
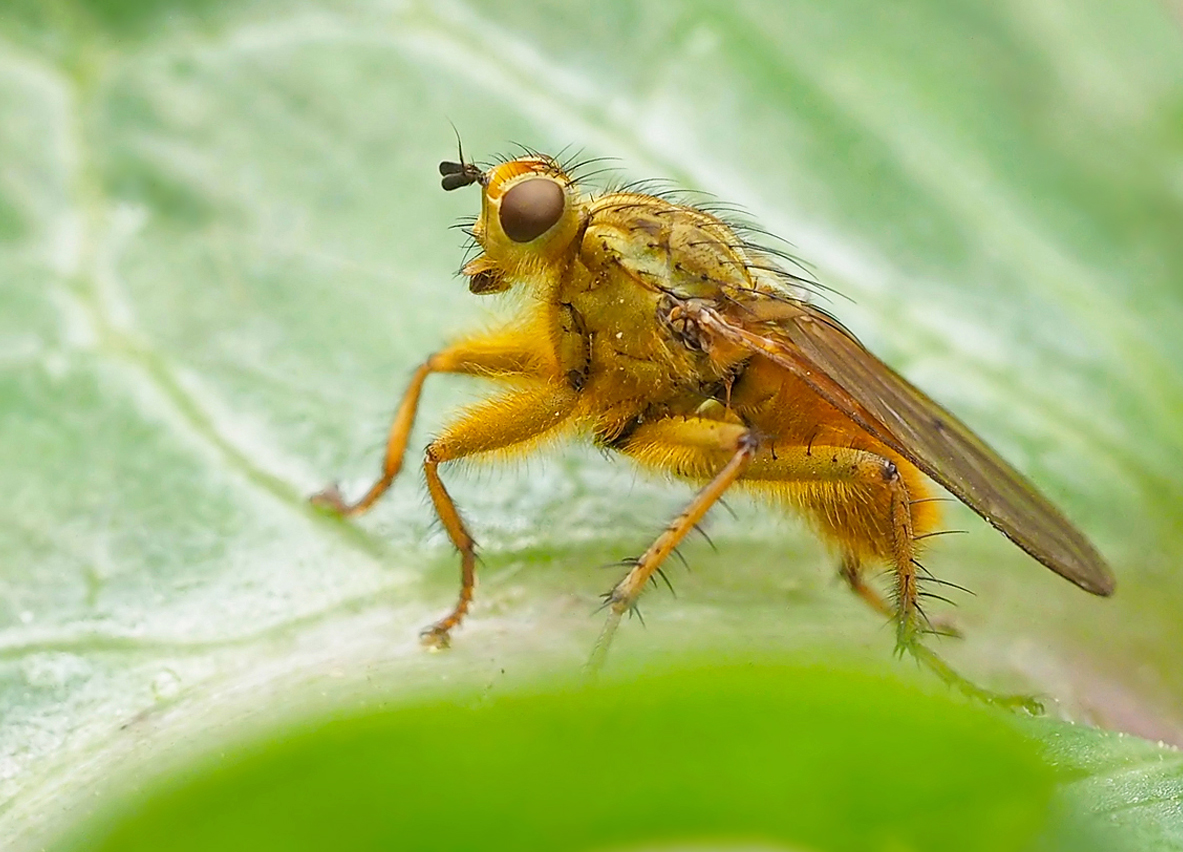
(815, 348)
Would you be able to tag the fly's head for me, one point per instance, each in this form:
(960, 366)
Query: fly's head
(530, 214)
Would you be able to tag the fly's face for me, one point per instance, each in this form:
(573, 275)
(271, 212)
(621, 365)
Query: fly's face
(531, 212)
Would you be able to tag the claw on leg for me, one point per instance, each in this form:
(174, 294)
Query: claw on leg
(599, 654)
(435, 637)
(928, 658)
(331, 500)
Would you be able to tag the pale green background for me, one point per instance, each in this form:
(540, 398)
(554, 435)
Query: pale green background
(223, 247)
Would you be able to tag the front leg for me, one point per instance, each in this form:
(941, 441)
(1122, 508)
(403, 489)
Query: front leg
(511, 423)
(514, 352)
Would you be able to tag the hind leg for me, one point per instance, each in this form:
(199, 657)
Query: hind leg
(875, 507)
(853, 572)
(862, 496)
(911, 623)
(868, 503)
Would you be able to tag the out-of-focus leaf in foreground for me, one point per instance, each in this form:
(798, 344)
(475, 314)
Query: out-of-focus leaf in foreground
(223, 247)
(798, 757)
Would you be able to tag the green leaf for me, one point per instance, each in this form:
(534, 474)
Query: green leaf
(756, 753)
(223, 247)
(1123, 792)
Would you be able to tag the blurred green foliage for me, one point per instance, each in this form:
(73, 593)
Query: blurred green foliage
(223, 246)
(806, 758)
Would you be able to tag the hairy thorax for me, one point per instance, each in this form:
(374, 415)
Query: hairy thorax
(612, 306)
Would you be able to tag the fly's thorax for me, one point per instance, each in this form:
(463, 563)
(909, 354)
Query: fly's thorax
(632, 349)
(665, 247)
(638, 257)
(531, 215)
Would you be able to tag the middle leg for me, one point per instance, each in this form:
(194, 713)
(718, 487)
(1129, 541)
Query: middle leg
(719, 451)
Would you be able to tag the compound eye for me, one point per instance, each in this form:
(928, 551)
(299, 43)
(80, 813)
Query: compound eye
(531, 208)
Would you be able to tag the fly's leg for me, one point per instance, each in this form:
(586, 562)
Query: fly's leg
(506, 423)
(396, 447)
(878, 485)
(853, 573)
(906, 611)
(862, 496)
(858, 489)
(712, 442)
(513, 353)
(937, 665)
